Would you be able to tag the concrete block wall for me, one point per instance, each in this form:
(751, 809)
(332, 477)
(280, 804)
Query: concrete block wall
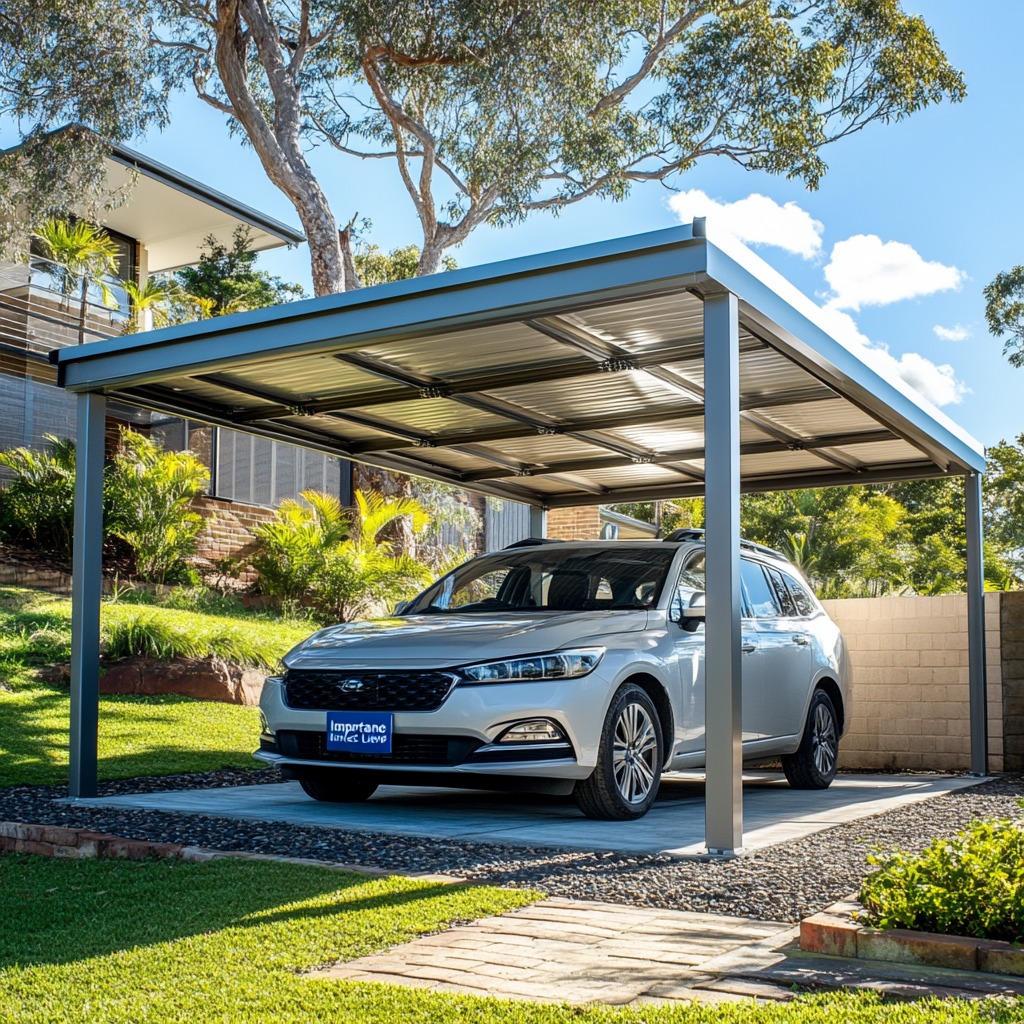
(1011, 630)
(911, 707)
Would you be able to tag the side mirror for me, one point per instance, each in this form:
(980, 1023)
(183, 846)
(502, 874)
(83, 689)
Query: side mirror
(692, 614)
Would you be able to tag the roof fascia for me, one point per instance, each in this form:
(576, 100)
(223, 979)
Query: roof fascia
(654, 263)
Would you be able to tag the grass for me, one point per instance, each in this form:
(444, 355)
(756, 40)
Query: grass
(164, 941)
(138, 735)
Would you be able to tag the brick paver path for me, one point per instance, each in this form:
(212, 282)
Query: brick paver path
(573, 951)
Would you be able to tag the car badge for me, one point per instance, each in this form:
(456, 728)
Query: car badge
(352, 685)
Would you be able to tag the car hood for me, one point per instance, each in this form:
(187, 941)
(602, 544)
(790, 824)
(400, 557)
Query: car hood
(442, 641)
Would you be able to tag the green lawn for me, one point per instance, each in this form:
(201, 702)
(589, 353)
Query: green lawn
(164, 941)
(138, 735)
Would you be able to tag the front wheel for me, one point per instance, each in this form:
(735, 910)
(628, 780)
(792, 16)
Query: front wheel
(813, 766)
(629, 760)
(337, 787)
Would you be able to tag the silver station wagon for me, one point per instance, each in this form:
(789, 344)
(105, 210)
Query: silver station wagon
(561, 667)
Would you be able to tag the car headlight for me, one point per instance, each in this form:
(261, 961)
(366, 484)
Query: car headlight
(558, 665)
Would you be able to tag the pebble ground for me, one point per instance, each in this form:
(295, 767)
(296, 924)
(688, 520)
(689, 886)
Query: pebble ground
(782, 883)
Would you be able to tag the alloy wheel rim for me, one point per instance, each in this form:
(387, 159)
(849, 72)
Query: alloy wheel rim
(635, 754)
(824, 746)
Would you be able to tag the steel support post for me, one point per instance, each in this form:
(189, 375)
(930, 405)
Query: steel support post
(723, 736)
(538, 521)
(976, 625)
(86, 589)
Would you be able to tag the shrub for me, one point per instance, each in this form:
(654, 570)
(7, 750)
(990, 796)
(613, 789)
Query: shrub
(37, 506)
(336, 559)
(148, 494)
(972, 884)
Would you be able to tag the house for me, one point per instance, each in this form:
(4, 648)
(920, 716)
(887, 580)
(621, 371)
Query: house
(159, 229)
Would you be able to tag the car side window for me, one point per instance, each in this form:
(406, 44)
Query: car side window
(805, 604)
(691, 580)
(785, 599)
(758, 594)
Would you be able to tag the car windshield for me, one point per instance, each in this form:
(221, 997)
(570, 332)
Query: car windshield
(548, 577)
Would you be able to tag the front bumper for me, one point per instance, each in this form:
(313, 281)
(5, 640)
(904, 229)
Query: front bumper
(459, 737)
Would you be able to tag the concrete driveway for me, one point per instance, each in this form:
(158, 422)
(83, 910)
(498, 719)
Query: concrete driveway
(773, 813)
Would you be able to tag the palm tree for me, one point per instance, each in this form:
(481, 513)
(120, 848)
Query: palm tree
(339, 559)
(82, 255)
(154, 297)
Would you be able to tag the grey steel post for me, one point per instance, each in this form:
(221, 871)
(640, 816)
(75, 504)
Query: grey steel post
(976, 625)
(86, 589)
(538, 521)
(723, 736)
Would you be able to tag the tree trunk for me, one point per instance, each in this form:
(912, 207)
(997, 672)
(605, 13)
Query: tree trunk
(348, 260)
(430, 258)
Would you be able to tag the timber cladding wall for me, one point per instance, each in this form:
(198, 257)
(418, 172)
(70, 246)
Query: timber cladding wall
(910, 686)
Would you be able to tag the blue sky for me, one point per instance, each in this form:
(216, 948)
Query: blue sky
(910, 223)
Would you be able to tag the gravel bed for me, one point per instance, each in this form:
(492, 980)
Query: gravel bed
(782, 883)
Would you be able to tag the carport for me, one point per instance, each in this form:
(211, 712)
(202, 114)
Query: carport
(661, 365)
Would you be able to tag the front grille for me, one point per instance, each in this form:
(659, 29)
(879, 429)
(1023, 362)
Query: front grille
(405, 749)
(333, 690)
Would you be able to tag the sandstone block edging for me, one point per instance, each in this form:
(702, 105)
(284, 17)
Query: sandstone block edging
(837, 932)
(82, 844)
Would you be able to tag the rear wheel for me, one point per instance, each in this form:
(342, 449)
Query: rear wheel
(337, 787)
(632, 751)
(813, 766)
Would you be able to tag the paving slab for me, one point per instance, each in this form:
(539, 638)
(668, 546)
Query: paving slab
(772, 811)
(714, 959)
(577, 966)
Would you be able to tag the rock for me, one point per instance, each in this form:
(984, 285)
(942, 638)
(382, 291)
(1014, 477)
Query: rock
(201, 678)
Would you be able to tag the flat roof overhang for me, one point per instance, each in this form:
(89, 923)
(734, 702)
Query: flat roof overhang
(172, 214)
(573, 377)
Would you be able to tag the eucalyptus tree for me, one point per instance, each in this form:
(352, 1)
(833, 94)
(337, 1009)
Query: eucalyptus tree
(78, 63)
(488, 112)
(1004, 312)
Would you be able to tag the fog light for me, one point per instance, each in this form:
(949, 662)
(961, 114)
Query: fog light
(538, 730)
(265, 725)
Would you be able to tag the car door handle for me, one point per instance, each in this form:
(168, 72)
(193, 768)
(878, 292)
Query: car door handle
(748, 648)
(802, 639)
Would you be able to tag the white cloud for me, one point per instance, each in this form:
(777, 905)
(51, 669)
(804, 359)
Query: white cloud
(756, 220)
(865, 271)
(862, 271)
(957, 333)
(936, 382)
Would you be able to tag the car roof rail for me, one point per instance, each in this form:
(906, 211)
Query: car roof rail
(530, 542)
(688, 533)
(684, 534)
(763, 549)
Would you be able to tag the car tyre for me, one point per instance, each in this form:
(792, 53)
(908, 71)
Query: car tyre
(337, 787)
(629, 761)
(813, 765)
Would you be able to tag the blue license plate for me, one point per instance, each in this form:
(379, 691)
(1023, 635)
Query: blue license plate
(360, 732)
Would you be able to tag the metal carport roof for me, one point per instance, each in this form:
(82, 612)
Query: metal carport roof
(661, 365)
